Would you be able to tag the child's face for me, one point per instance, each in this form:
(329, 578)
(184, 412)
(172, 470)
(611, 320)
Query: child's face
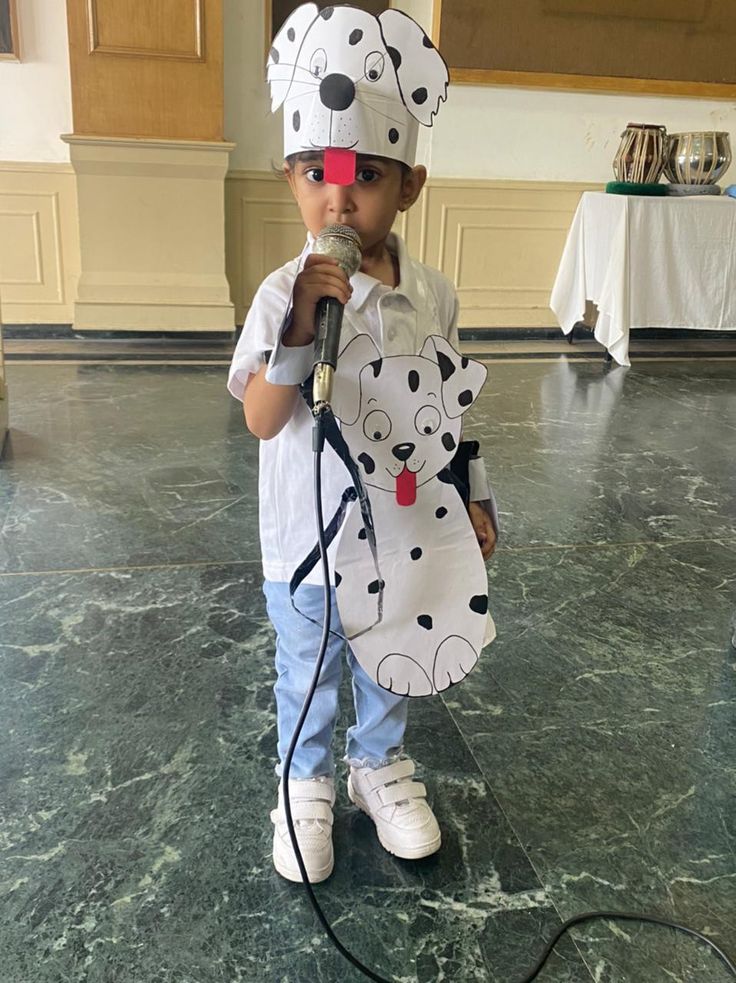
(381, 189)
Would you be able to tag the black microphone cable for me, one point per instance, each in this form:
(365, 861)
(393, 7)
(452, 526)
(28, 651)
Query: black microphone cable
(318, 443)
(318, 440)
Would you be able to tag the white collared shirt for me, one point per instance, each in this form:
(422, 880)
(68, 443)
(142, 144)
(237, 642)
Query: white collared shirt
(399, 321)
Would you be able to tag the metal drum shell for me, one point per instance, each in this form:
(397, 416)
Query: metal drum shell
(698, 157)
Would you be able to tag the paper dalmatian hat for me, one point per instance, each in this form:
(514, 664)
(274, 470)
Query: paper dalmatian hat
(352, 83)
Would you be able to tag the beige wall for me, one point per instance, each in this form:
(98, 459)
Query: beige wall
(39, 243)
(499, 241)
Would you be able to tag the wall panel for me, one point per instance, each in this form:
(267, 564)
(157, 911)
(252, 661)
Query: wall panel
(498, 241)
(39, 243)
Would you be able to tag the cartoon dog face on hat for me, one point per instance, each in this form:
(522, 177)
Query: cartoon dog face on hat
(352, 81)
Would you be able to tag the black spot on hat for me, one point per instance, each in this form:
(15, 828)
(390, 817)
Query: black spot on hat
(355, 36)
(274, 55)
(446, 365)
(375, 586)
(448, 442)
(327, 13)
(419, 95)
(427, 42)
(395, 56)
(441, 512)
(416, 553)
(377, 366)
(369, 465)
(296, 120)
(479, 603)
(424, 621)
(393, 135)
(338, 579)
(291, 34)
(413, 380)
(362, 534)
(465, 361)
(465, 398)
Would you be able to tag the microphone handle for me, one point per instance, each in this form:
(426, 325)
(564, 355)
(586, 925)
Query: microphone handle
(327, 335)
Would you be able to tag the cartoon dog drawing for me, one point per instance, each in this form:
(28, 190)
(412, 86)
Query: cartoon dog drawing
(401, 417)
(353, 81)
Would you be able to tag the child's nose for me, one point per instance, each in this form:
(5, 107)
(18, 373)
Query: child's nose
(341, 199)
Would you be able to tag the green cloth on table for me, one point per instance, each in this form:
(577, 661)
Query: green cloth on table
(630, 188)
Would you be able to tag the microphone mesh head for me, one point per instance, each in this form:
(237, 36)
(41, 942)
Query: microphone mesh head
(343, 244)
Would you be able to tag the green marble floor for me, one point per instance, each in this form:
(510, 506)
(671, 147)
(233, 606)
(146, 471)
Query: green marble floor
(589, 762)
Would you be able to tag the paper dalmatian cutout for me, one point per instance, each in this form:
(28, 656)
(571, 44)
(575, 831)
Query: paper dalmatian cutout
(353, 83)
(401, 417)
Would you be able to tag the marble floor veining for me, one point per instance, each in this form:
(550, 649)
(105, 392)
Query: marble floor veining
(588, 762)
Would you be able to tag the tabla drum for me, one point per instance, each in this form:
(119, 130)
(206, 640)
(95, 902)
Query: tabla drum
(697, 158)
(641, 154)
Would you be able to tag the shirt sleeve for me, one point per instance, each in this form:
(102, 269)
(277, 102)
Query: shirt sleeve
(289, 366)
(262, 329)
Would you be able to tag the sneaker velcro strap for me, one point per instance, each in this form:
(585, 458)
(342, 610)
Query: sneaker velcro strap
(389, 773)
(313, 810)
(401, 791)
(307, 791)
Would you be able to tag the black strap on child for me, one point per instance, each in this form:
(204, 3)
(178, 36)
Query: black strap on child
(457, 472)
(333, 436)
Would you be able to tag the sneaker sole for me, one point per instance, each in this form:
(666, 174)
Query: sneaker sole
(417, 853)
(293, 874)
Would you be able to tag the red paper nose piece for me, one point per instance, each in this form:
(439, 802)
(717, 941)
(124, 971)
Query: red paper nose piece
(339, 165)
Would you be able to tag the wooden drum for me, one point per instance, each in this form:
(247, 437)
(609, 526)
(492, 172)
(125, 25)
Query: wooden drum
(641, 156)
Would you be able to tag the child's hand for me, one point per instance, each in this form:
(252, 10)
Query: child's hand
(483, 528)
(321, 277)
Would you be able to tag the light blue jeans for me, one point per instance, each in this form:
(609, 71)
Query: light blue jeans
(377, 736)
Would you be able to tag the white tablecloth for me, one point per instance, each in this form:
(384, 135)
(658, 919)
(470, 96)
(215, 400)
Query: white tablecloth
(648, 263)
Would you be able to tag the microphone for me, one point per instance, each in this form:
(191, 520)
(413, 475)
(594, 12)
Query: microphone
(343, 244)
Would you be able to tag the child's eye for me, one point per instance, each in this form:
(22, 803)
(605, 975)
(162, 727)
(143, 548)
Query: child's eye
(314, 174)
(367, 174)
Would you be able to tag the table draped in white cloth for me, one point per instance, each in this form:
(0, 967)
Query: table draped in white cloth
(648, 263)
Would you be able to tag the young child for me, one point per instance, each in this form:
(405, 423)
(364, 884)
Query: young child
(399, 302)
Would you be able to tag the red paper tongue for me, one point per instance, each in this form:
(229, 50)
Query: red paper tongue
(406, 487)
(339, 166)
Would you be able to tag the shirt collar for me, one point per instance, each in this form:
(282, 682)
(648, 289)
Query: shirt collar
(364, 285)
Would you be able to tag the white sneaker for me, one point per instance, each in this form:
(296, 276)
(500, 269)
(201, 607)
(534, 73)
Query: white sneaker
(311, 800)
(405, 823)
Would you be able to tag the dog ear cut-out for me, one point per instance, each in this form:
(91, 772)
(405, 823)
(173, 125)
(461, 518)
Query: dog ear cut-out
(462, 378)
(421, 70)
(346, 387)
(282, 58)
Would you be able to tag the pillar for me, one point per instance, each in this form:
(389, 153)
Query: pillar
(150, 164)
